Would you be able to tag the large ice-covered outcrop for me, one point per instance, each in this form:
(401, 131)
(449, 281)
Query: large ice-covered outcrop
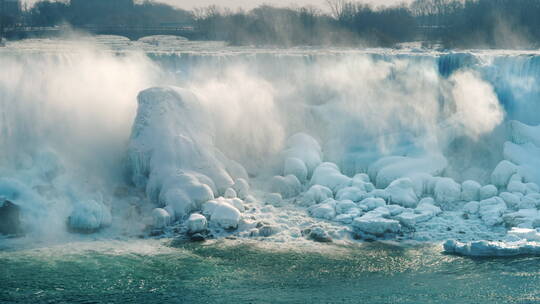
(172, 153)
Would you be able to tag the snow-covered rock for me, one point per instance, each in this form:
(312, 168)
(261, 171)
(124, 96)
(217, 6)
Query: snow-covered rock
(196, 223)
(401, 192)
(344, 206)
(388, 169)
(373, 203)
(487, 248)
(511, 200)
(297, 167)
(230, 193)
(315, 195)
(351, 193)
(305, 148)
(325, 210)
(225, 215)
(502, 173)
(470, 191)
(328, 175)
(374, 223)
(471, 207)
(273, 199)
(160, 218)
(172, 154)
(491, 210)
(288, 186)
(447, 191)
(241, 186)
(488, 191)
(89, 216)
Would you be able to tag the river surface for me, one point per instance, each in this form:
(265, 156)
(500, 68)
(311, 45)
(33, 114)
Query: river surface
(149, 271)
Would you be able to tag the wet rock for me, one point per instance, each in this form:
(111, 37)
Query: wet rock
(197, 237)
(10, 222)
(318, 234)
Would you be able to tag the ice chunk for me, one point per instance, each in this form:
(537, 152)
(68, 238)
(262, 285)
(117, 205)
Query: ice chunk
(315, 195)
(305, 148)
(530, 201)
(374, 223)
(326, 210)
(297, 167)
(502, 173)
(524, 217)
(511, 200)
(328, 175)
(225, 215)
(516, 187)
(230, 193)
(471, 207)
(488, 191)
(373, 203)
(525, 234)
(491, 210)
(172, 155)
(410, 219)
(487, 248)
(273, 199)
(388, 169)
(89, 216)
(401, 192)
(287, 186)
(241, 186)
(428, 205)
(351, 193)
(470, 191)
(345, 206)
(196, 223)
(447, 191)
(161, 218)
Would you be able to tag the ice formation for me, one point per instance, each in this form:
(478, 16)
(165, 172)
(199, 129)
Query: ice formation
(379, 145)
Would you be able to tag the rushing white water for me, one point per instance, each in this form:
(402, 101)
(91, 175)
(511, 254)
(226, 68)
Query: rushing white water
(68, 107)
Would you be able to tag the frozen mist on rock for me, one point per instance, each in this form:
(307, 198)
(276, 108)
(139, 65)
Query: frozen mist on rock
(116, 138)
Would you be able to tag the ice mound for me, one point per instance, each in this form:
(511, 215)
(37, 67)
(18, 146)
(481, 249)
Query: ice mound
(390, 168)
(173, 157)
(89, 216)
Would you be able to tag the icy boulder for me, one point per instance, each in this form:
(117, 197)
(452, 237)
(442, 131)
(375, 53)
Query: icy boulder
(401, 192)
(488, 191)
(315, 195)
(470, 191)
(375, 223)
(222, 213)
(447, 191)
(304, 148)
(288, 186)
(325, 210)
(297, 167)
(161, 218)
(491, 210)
(196, 223)
(89, 216)
(241, 187)
(502, 173)
(172, 154)
(388, 169)
(523, 218)
(328, 175)
(487, 248)
(351, 193)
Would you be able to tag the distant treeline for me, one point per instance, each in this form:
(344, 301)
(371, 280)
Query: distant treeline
(450, 23)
